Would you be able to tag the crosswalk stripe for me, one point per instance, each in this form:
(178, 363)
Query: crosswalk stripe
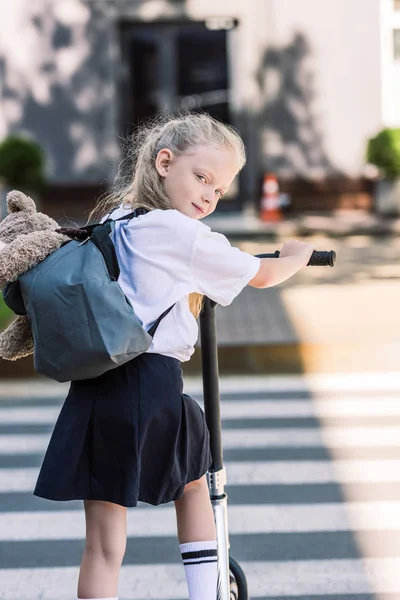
(23, 444)
(39, 415)
(312, 472)
(247, 409)
(260, 473)
(313, 383)
(254, 519)
(18, 480)
(265, 579)
(308, 382)
(337, 407)
(328, 437)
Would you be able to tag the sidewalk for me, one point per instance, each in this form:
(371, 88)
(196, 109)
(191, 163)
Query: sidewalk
(247, 225)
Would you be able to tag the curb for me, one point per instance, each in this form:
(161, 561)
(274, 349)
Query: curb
(302, 358)
(269, 359)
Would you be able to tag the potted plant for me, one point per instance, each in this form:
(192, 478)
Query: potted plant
(383, 151)
(22, 167)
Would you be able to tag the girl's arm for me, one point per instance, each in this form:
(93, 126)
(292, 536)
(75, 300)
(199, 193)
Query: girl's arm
(293, 257)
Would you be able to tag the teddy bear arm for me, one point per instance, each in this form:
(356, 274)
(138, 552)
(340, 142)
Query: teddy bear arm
(16, 341)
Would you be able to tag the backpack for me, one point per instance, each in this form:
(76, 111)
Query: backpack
(82, 323)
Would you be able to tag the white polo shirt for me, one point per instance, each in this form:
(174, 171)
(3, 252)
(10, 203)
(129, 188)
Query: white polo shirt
(163, 257)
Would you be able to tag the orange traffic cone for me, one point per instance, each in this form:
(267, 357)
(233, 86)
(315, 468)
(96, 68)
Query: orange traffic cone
(270, 199)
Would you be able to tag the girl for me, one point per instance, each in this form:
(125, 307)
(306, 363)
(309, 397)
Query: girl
(131, 434)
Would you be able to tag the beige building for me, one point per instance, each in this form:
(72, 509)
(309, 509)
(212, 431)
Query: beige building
(305, 81)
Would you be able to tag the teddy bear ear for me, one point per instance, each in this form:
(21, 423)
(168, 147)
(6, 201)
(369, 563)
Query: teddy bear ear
(18, 201)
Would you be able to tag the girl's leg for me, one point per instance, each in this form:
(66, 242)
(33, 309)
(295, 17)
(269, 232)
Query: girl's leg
(194, 513)
(104, 549)
(197, 537)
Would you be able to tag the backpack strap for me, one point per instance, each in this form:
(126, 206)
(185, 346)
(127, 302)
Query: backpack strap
(12, 297)
(153, 328)
(88, 229)
(100, 236)
(136, 213)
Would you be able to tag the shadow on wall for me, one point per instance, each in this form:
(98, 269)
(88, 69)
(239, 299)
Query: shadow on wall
(288, 122)
(286, 134)
(58, 86)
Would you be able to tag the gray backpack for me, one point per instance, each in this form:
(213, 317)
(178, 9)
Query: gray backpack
(82, 323)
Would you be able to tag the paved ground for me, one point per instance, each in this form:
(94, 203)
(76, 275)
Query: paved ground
(313, 485)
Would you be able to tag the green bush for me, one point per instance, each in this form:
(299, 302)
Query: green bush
(383, 150)
(6, 315)
(22, 164)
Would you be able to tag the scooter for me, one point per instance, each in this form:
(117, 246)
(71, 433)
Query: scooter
(232, 584)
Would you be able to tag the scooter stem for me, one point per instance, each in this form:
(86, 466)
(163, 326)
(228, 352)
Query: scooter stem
(209, 358)
(217, 472)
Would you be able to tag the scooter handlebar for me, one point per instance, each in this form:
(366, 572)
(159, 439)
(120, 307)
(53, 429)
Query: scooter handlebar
(319, 258)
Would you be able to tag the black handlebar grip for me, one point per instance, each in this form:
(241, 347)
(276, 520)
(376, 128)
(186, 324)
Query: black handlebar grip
(319, 258)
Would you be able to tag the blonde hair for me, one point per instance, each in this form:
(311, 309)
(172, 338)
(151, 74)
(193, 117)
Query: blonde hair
(138, 183)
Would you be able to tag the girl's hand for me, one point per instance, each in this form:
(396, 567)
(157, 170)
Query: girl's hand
(297, 248)
(294, 256)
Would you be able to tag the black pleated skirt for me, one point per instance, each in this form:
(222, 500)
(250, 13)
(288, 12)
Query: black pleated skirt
(129, 435)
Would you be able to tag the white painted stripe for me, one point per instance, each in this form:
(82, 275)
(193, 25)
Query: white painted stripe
(287, 409)
(337, 382)
(23, 444)
(328, 437)
(265, 579)
(245, 409)
(261, 473)
(312, 472)
(33, 388)
(18, 480)
(260, 519)
(32, 415)
(321, 382)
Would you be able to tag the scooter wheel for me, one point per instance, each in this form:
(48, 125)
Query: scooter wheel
(237, 581)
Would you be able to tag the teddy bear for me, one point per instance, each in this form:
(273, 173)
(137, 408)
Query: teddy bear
(26, 238)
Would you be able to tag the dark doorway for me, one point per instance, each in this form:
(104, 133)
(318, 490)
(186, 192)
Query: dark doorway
(175, 66)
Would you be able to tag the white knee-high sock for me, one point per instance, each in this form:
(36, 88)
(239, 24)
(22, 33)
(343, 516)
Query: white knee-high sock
(201, 569)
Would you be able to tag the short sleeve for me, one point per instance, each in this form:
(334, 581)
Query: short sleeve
(219, 270)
